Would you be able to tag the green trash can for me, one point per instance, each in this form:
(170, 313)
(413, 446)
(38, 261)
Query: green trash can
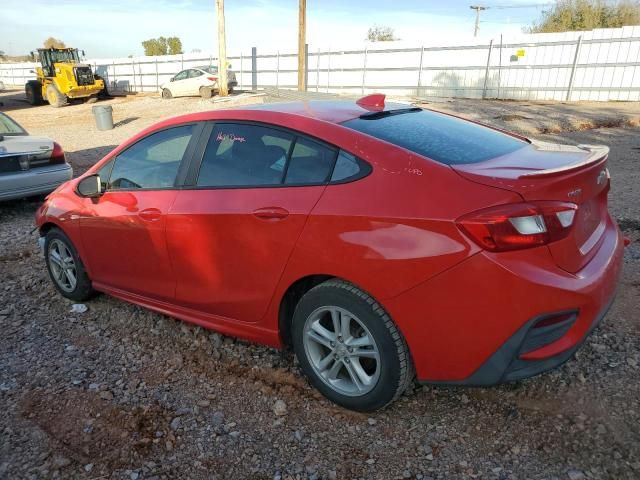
(104, 116)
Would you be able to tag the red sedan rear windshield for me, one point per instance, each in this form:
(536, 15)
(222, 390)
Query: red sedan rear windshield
(440, 137)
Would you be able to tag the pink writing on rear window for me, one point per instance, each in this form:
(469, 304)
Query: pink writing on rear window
(230, 136)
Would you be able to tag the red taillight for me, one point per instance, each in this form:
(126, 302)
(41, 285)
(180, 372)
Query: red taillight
(57, 156)
(519, 225)
(212, 79)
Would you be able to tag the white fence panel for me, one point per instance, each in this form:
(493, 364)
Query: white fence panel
(597, 65)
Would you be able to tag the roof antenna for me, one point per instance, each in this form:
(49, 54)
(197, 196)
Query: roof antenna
(373, 102)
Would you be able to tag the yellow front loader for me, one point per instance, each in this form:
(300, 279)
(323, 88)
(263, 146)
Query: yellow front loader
(61, 77)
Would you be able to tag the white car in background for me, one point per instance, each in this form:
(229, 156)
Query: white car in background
(29, 165)
(201, 81)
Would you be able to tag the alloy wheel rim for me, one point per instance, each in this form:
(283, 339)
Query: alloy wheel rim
(62, 265)
(341, 351)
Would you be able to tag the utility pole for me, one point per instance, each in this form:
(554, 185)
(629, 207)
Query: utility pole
(302, 40)
(222, 51)
(477, 8)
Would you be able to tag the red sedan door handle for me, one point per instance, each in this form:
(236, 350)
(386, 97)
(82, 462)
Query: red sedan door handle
(271, 213)
(150, 214)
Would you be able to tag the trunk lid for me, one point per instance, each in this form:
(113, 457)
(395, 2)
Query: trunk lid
(545, 171)
(21, 152)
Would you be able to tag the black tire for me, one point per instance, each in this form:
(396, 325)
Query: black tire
(54, 97)
(33, 91)
(166, 94)
(83, 289)
(396, 368)
(206, 92)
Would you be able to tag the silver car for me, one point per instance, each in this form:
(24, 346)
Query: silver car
(29, 165)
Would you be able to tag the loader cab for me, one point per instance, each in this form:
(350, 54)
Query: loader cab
(50, 56)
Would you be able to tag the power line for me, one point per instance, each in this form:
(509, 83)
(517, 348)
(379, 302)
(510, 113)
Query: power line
(479, 8)
(531, 5)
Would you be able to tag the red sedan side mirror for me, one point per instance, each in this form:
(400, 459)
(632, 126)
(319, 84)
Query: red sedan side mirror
(90, 186)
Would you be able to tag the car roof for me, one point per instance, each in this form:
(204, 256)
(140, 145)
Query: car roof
(334, 111)
(284, 113)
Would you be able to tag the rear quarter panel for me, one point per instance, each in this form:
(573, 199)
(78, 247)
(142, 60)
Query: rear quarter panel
(391, 230)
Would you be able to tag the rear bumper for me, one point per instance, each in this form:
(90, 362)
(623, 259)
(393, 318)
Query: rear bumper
(469, 325)
(36, 181)
(507, 363)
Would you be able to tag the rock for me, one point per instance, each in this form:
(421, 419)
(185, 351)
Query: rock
(216, 339)
(106, 395)
(175, 423)
(429, 457)
(78, 308)
(217, 419)
(134, 475)
(60, 461)
(575, 475)
(464, 399)
(88, 467)
(372, 421)
(204, 403)
(280, 408)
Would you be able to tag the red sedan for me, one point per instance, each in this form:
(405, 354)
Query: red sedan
(380, 242)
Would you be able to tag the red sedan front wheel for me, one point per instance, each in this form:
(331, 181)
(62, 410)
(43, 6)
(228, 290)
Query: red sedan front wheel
(65, 267)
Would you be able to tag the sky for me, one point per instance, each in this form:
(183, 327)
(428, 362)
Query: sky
(116, 28)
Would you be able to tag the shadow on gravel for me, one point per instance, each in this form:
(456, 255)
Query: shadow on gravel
(125, 121)
(82, 160)
(15, 100)
(12, 209)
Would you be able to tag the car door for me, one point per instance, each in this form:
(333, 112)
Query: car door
(123, 231)
(230, 233)
(196, 78)
(180, 83)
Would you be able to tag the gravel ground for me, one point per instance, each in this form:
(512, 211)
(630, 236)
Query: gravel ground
(123, 393)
